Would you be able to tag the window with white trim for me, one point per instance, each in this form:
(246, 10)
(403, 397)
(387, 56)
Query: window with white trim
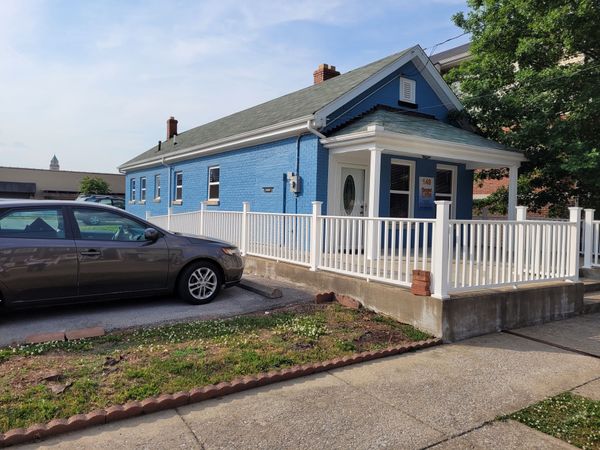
(401, 188)
(143, 189)
(178, 186)
(157, 187)
(408, 90)
(214, 174)
(132, 190)
(445, 185)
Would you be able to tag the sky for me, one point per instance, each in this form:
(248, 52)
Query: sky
(95, 81)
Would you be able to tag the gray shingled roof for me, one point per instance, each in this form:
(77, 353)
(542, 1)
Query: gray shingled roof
(415, 125)
(292, 106)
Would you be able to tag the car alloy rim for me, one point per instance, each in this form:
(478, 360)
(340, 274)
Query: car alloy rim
(202, 283)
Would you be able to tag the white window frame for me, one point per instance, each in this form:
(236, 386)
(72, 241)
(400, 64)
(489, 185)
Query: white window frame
(157, 187)
(452, 196)
(177, 186)
(214, 183)
(411, 184)
(413, 90)
(132, 190)
(143, 184)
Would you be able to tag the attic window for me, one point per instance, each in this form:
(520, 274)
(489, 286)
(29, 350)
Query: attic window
(407, 90)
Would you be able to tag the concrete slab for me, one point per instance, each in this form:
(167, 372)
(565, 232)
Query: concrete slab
(316, 412)
(164, 430)
(15, 326)
(579, 333)
(505, 435)
(457, 387)
(590, 390)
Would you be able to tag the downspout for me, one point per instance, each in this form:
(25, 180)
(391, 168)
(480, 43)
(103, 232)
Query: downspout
(162, 161)
(297, 172)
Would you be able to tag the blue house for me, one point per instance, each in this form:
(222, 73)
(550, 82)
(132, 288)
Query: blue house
(375, 141)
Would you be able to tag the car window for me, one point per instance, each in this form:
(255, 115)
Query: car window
(33, 224)
(98, 225)
(119, 203)
(105, 201)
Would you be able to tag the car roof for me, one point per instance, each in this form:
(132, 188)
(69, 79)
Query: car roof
(12, 203)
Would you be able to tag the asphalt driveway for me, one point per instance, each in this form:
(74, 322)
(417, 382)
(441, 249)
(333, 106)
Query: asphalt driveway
(15, 326)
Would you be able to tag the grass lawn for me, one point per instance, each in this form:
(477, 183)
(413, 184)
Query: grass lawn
(567, 416)
(56, 380)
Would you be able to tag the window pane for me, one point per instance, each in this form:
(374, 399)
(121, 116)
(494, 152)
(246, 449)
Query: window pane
(40, 224)
(213, 174)
(443, 181)
(399, 205)
(213, 191)
(178, 193)
(107, 226)
(400, 177)
(178, 179)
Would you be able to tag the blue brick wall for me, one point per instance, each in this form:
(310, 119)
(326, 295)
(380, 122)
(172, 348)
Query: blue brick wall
(387, 92)
(243, 174)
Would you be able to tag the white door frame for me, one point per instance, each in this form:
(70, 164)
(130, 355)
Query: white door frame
(334, 185)
(454, 170)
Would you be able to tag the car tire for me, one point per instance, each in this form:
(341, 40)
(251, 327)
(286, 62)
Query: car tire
(200, 283)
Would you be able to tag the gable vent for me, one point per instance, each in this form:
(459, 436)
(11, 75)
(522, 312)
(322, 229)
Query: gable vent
(407, 90)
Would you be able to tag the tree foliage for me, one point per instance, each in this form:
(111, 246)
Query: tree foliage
(93, 185)
(533, 83)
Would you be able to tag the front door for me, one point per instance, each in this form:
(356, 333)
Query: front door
(353, 192)
(114, 256)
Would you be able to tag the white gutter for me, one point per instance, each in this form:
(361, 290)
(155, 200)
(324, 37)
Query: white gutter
(313, 131)
(254, 137)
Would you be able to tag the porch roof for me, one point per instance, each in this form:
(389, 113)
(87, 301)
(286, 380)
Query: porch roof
(418, 125)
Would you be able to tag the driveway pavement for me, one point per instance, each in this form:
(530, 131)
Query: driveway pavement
(444, 397)
(120, 314)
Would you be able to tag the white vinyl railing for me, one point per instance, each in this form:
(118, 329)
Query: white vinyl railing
(488, 254)
(383, 249)
(459, 254)
(284, 237)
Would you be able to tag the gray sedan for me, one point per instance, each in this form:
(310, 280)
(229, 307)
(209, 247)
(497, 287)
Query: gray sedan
(63, 252)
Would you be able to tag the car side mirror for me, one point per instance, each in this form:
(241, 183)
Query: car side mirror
(150, 234)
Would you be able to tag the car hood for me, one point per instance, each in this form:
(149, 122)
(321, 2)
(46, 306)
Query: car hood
(195, 239)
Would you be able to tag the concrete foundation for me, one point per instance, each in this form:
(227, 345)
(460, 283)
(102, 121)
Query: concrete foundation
(459, 317)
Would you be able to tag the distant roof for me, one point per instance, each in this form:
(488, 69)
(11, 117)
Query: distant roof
(296, 105)
(62, 171)
(450, 53)
(415, 124)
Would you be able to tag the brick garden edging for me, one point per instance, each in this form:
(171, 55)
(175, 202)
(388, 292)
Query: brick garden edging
(168, 401)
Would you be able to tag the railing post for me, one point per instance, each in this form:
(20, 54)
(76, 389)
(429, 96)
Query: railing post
(148, 214)
(574, 217)
(440, 263)
(520, 249)
(588, 238)
(201, 218)
(169, 213)
(315, 236)
(244, 237)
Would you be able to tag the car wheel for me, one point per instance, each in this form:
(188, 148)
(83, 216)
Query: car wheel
(200, 283)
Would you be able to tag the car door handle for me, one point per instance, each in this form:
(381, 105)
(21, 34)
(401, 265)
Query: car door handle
(90, 252)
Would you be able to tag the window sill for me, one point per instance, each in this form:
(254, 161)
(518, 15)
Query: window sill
(131, 202)
(177, 202)
(212, 203)
(143, 202)
(156, 200)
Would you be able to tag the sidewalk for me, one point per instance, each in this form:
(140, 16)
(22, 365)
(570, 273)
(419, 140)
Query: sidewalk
(444, 397)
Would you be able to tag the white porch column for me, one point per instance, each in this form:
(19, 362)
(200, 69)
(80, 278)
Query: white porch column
(520, 236)
(244, 237)
(588, 238)
(513, 176)
(373, 205)
(573, 257)
(440, 263)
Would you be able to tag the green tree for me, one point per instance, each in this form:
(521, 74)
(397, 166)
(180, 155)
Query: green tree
(93, 185)
(533, 83)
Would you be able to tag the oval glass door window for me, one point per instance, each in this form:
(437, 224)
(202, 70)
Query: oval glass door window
(349, 194)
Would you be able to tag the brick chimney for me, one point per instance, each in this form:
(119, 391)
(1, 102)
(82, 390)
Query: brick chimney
(324, 72)
(171, 127)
